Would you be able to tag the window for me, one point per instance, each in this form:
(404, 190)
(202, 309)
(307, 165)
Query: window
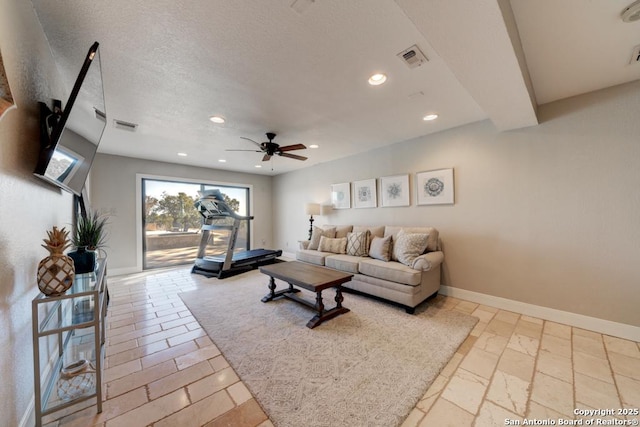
(171, 223)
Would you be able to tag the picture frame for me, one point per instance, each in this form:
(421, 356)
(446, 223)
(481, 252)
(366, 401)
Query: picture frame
(365, 193)
(435, 187)
(394, 190)
(341, 196)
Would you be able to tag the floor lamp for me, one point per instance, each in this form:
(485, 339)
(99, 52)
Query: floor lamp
(311, 209)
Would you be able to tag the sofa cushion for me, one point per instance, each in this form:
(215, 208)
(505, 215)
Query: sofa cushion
(335, 246)
(318, 233)
(358, 243)
(392, 271)
(346, 263)
(432, 242)
(373, 231)
(312, 256)
(341, 230)
(380, 248)
(408, 246)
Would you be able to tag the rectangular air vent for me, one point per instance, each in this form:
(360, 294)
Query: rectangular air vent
(635, 56)
(413, 57)
(119, 124)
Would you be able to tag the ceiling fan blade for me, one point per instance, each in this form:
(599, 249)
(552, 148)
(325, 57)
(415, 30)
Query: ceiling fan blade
(292, 147)
(293, 156)
(266, 157)
(253, 151)
(257, 143)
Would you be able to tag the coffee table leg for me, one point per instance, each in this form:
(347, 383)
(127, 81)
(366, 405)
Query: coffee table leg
(339, 297)
(319, 304)
(272, 288)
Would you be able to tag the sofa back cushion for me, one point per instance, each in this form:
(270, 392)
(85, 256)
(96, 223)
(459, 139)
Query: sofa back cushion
(380, 248)
(318, 233)
(432, 241)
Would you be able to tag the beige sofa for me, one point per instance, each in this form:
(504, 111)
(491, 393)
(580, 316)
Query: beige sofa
(406, 285)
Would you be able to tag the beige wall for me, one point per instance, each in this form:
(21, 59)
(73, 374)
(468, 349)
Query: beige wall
(28, 206)
(546, 215)
(113, 189)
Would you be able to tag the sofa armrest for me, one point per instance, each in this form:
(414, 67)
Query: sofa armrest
(428, 261)
(303, 244)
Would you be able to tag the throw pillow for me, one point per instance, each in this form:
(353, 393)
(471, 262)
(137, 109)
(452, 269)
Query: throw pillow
(380, 248)
(336, 246)
(358, 243)
(409, 246)
(318, 233)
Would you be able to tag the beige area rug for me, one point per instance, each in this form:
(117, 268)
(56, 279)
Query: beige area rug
(368, 367)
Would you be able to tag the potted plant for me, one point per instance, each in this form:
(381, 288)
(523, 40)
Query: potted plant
(88, 236)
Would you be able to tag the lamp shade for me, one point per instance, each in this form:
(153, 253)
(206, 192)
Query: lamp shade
(312, 208)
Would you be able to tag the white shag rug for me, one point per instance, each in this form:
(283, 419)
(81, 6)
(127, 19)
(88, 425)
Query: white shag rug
(368, 367)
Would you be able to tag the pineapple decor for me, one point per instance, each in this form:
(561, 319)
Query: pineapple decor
(56, 272)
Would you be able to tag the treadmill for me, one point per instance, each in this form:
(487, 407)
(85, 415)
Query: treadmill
(219, 216)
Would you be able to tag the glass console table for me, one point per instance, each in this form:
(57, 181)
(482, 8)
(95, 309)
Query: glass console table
(68, 342)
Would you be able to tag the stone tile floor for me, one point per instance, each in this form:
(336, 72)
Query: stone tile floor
(161, 369)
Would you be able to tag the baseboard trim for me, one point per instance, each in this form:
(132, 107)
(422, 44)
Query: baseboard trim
(123, 271)
(607, 327)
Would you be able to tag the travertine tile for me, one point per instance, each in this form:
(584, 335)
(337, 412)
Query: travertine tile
(524, 344)
(139, 379)
(517, 364)
(119, 371)
(239, 393)
(478, 329)
(620, 346)
(178, 380)
(247, 414)
(168, 354)
(412, 420)
(197, 356)
(492, 415)
(529, 329)
(480, 362)
(629, 391)
(452, 365)
(152, 411)
(491, 342)
(543, 413)
(432, 393)
(446, 414)
(592, 366)
(136, 353)
(466, 390)
(211, 384)
(163, 335)
(500, 327)
(555, 345)
(509, 392)
(595, 393)
(557, 330)
(466, 345)
(133, 334)
(483, 315)
(587, 334)
(507, 316)
(589, 346)
(466, 307)
(625, 365)
(488, 308)
(552, 393)
(218, 363)
(201, 412)
(530, 319)
(555, 366)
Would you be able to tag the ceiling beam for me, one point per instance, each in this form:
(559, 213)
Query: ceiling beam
(479, 41)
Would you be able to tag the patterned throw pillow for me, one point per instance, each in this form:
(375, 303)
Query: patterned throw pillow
(380, 248)
(358, 243)
(318, 233)
(336, 246)
(409, 246)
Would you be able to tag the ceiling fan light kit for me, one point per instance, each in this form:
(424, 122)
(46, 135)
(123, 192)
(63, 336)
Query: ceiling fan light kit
(270, 148)
(632, 12)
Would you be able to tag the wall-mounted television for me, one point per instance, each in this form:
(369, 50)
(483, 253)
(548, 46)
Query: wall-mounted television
(70, 137)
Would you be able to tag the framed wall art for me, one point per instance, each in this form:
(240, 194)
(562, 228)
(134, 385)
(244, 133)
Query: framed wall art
(341, 196)
(435, 187)
(364, 194)
(394, 190)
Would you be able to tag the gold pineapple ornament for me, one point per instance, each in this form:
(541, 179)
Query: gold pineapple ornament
(56, 272)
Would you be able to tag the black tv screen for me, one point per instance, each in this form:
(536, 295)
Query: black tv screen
(66, 158)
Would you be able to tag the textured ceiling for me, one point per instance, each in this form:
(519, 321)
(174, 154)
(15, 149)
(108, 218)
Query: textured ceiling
(265, 66)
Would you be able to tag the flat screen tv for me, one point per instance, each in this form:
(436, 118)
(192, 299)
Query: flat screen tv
(70, 138)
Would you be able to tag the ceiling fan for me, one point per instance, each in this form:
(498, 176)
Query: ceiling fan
(270, 148)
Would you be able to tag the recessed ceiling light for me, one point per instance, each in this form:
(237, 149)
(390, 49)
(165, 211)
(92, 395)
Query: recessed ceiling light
(430, 117)
(314, 146)
(216, 119)
(222, 160)
(377, 79)
(258, 166)
(182, 154)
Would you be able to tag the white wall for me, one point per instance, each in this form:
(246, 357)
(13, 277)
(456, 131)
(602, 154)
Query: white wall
(113, 189)
(546, 215)
(28, 206)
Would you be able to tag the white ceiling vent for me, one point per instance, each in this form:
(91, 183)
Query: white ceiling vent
(635, 56)
(413, 57)
(119, 124)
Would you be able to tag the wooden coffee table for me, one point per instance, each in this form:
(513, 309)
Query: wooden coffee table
(312, 278)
